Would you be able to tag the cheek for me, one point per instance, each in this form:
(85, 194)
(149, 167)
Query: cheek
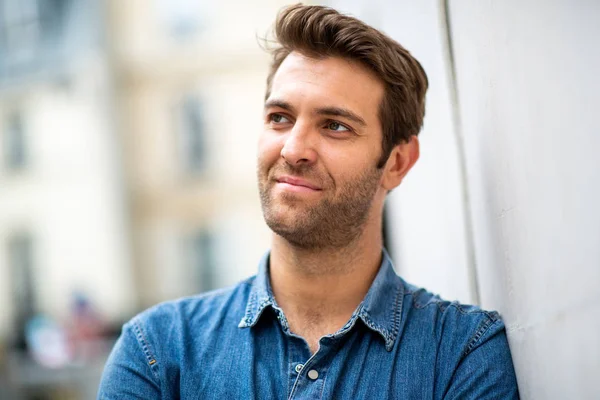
(348, 168)
(268, 151)
(346, 162)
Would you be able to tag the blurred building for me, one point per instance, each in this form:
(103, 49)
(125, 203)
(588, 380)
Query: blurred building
(190, 78)
(63, 220)
(128, 152)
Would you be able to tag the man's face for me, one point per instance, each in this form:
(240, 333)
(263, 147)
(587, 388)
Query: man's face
(319, 149)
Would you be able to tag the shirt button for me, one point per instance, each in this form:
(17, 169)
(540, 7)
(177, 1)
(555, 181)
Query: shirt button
(299, 368)
(313, 374)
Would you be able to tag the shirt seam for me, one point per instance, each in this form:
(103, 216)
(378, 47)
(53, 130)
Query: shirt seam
(481, 331)
(492, 315)
(398, 304)
(146, 348)
(323, 386)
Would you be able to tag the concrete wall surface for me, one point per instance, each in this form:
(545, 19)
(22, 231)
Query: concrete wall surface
(529, 94)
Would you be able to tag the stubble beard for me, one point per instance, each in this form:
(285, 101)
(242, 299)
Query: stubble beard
(331, 223)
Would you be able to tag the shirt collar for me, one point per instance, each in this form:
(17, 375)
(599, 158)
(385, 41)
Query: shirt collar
(380, 311)
(261, 295)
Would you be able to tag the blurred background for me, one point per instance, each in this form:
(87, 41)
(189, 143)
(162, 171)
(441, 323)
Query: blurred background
(127, 173)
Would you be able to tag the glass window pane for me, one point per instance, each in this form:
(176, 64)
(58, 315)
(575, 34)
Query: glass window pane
(14, 142)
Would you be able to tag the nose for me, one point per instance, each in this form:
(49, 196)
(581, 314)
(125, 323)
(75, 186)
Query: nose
(298, 148)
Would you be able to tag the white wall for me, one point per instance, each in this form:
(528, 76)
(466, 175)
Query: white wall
(529, 92)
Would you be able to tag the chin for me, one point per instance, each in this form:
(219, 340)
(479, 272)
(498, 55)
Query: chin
(298, 238)
(282, 220)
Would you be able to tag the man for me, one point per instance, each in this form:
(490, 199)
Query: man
(326, 317)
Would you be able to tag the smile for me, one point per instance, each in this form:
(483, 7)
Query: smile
(296, 185)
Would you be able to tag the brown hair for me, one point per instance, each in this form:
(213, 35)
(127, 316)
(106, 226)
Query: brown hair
(318, 32)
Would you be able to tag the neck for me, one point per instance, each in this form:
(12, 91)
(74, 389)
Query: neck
(324, 283)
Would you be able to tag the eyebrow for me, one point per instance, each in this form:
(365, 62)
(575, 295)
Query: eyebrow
(280, 104)
(341, 112)
(326, 111)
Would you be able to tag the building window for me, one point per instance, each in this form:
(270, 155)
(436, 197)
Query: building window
(20, 264)
(24, 24)
(201, 260)
(15, 147)
(192, 135)
(20, 27)
(182, 19)
(52, 15)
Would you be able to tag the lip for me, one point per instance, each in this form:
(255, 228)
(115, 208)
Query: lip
(297, 183)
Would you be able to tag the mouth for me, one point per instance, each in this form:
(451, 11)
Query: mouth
(297, 184)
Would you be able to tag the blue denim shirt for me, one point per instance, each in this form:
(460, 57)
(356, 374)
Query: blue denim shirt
(401, 343)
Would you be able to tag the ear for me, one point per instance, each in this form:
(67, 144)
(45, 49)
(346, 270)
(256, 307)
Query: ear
(401, 160)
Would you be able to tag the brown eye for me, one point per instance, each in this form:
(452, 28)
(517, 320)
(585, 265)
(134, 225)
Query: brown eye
(278, 118)
(336, 127)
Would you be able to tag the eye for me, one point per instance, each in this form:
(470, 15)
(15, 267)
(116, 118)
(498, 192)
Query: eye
(336, 127)
(277, 118)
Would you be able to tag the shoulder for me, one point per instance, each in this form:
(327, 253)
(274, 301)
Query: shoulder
(197, 313)
(455, 325)
(469, 345)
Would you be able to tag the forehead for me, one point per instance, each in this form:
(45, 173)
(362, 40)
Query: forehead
(330, 81)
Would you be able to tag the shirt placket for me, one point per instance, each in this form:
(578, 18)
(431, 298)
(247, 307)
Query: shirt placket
(310, 375)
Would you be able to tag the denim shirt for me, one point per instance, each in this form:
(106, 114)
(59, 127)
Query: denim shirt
(401, 343)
